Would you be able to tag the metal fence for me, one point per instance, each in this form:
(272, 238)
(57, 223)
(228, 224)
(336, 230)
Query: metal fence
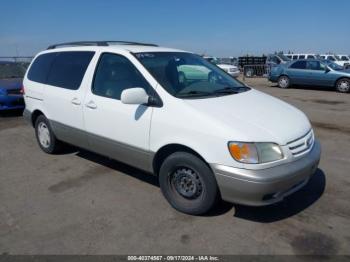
(250, 71)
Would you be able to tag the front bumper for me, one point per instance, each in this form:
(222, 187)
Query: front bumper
(273, 78)
(266, 186)
(11, 102)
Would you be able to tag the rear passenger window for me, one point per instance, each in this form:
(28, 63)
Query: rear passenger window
(310, 57)
(68, 69)
(114, 74)
(40, 68)
(302, 57)
(299, 65)
(313, 65)
(295, 57)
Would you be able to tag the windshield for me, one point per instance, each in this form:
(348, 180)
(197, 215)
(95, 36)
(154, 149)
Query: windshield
(331, 58)
(12, 70)
(188, 75)
(334, 66)
(344, 58)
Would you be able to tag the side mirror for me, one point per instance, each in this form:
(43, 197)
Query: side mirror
(327, 69)
(134, 96)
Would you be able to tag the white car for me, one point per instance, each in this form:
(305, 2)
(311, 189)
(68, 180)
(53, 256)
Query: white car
(336, 59)
(206, 137)
(345, 59)
(230, 69)
(301, 56)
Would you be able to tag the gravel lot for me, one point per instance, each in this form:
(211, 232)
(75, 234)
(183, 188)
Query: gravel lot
(81, 203)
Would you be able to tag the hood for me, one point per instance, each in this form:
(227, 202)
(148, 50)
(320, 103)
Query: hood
(11, 83)
(253, 116)
(347, 71)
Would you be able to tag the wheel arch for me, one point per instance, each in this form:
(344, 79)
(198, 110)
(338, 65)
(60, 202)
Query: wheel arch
(339, 78)
(169, 149)
(36, 113)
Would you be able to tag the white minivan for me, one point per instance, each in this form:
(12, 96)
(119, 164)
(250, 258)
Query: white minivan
(206, 136)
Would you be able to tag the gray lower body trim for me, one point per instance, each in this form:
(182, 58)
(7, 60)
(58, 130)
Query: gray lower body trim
(119, 151)
(27, 115)
(130, 155)
(266, 186)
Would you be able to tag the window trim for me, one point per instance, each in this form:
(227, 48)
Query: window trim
(151, 92)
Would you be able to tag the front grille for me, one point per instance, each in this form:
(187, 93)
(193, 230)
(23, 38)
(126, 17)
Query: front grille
(14, 92)
(302, 144)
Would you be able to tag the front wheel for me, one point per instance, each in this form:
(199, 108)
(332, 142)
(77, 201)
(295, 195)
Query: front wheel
(188, 183)
(343, 85)
(283, 82)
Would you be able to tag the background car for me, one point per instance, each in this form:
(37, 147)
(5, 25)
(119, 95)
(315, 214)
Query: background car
(346, 59)
(321, 73)
(11, 91)
(301, 56)
(228, 68)
(336, 59)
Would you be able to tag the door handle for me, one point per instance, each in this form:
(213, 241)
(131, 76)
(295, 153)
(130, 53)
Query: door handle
(91, 105)
(75, 101)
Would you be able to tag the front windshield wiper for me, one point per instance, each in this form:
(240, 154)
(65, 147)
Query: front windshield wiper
(194, 93)
(226, 90)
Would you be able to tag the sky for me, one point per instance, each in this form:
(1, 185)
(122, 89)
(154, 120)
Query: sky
(218, 28)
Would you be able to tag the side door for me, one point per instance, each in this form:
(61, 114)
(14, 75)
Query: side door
(64, 93)
(296, 72)
(317, 73)
(117, 130)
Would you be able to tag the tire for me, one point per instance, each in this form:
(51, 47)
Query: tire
(188, 183)
(343, 85)
(45, 136)
(249, 73)
(283, 82)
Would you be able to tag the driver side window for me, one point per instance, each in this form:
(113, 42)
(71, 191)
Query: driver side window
(114, 74)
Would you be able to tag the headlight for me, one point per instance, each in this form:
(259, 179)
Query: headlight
(255, 153)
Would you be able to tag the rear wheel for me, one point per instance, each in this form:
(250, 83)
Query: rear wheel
(188, 183)
(249, 73)
(283, 82)
(343, 85)
(45, 137)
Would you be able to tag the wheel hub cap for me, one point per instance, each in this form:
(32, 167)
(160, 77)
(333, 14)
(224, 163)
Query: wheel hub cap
(344, 85)
(44, 135)
(187, 183)
(283, 82)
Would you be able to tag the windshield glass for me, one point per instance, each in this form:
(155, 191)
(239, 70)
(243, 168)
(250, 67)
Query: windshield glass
(11, 70)
(334, 66)
(331, 58)
(344, 58)
(189, 75)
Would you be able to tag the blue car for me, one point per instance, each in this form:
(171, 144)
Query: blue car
(311, 72)
(11, 91)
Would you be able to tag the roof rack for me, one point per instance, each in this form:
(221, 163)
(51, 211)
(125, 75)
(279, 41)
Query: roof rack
(98, 43)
